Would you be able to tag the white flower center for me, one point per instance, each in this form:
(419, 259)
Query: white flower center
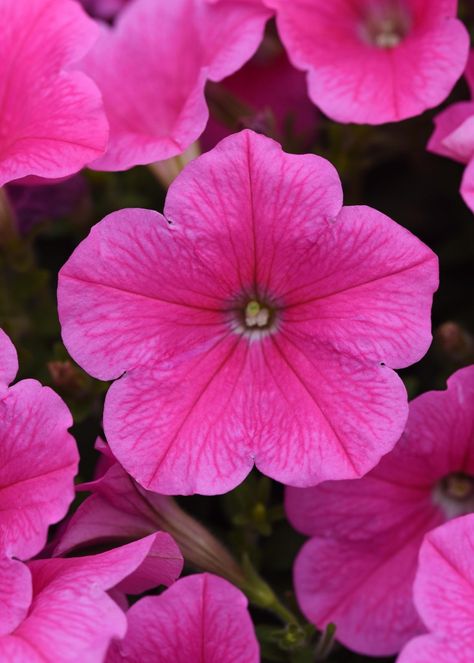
(455, 494)
(256, 315)
(385, 25)
(387, 34)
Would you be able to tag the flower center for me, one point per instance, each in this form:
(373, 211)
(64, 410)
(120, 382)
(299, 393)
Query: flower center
(385, 27)
(455, 494)
(257, 315)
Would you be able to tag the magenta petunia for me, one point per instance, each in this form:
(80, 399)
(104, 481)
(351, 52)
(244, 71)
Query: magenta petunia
(453, 136)
(200, 618)
(444, 596)
(374, 61)
(105, 9)
(257, 322)
(152, 67)
(358, 569)
(59, 610)
(271, 95)
(38, 459)
(52, 122)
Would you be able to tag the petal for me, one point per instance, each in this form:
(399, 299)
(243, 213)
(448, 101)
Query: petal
(71, 617)
(52, 118)
(162, 566)
(321, 415)
(444, 586)
(365, 589)
(201, 617)
(352, 81)
(136, 291)
(38, 463)
(8, 362)
(177, 428)
(431, 648)
(15, 595)
(153, 88)
(453, 136)
(357, 291)
(257, 208)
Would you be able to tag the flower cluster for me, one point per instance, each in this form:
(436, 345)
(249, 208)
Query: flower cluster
(250, 332)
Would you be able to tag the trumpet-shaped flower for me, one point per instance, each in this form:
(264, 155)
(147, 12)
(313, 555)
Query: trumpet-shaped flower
(444, 596)
(52, 122)
(358, 569)
(257, 321)
(59, 610)
(374, 61)
(200, 618)
(38, 459)
(453, 136)
(152, 67)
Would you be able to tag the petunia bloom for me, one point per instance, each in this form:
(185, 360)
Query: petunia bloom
(52, 122)
(152, 67)
(38, 459)
(269, 94)
(35, 204)
(374, 61)
(444, 596)
(59, 610)
(257, 321)
(358, 569)
(201, 617)
(453, 136)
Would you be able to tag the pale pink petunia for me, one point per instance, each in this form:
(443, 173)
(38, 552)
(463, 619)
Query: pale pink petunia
(444, 596)
(200, 618)
(374, 61)
(453, 136)
(52, 122)
(38, 459)
(257, 322)
(358, 569)
(59, 609)
(152, 67)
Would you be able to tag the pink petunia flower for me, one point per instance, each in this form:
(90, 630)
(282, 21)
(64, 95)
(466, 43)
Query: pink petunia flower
(59, 610)
(358, 569)
(444, 596)
(38, 459)
(200, 618)
(374, 61)
(52, 121)
(152, 67)
(453, 136)
(257, 321)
